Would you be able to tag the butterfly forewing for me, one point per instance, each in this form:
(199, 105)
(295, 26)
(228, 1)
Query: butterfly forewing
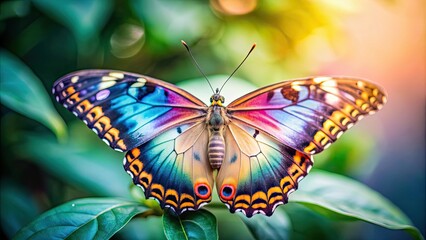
(125, 109)
(308, 114)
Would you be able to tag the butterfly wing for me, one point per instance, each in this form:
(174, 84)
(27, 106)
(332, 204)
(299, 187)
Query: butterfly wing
(258, 172)
(173, 167)
(274, 131)
(126, 109)
(308, 114)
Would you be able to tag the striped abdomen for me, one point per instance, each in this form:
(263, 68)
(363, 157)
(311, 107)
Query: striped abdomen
(216, 150)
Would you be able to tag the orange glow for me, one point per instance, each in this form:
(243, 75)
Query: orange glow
(234, 7)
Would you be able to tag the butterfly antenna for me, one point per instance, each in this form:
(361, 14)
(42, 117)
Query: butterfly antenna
(196, 64)
(248, 54)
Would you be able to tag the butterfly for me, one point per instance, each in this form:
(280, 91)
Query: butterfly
(256, 149)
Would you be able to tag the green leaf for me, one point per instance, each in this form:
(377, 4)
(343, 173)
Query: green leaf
(84, 18)
(23, 92)
(89, 218)
(337, 196)
(190, 225)
(349, 159)
(84, 161)
(277, 226)
(150, 228)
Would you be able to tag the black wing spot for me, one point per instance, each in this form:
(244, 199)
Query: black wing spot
(197, 157)
(234, 158)
(179, 130)
(256, 132)
(270, 95)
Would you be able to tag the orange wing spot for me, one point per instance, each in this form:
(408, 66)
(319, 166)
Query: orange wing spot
(70, 90)
(243, 197)
(347, 109)
(375, 92)
(355, 113)
(102, 124)
(145, 179)
(83, 106)
(108, 137)
(136, 152)
(273, 190)
(321, 138)
(157, 187)
(94, 113)
(186, 196)
(73, 99)
(156, 195)
(373, 100)
(365, 95)
(259, 205)
(172, 192)
(257, 195)
(200, 200)
(112, 135)
(129, 158)
(276, 199)
(114, 132)
(330, 127)
(67, 92)
(365, 106)
(172, 203)
(136, 167)
(338, 116)
(286, 184)
(297, 158)
(295, 172)
(359, 102)
(121, 144)
(311, 148)
(242, 205)
(187, 205)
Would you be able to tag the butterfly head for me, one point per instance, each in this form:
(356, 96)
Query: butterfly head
(217, 99)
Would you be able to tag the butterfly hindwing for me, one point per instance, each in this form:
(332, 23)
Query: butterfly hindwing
(125, 109)
(308, 114)
(173, 167)
(258, 172)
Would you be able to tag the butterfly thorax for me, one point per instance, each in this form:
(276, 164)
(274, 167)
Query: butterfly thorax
(216, 122)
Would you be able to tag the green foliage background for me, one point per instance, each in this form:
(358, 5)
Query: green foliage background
(49, 159)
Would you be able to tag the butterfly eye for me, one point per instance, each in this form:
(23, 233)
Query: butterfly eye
(202, 190)
(222, 99)
(211, 99)
(227, 192)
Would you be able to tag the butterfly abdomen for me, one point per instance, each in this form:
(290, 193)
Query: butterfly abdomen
(216, 149)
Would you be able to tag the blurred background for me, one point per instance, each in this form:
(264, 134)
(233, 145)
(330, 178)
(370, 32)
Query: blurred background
(45, 162)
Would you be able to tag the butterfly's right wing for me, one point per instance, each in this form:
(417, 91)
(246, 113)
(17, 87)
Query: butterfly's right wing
(173, 168)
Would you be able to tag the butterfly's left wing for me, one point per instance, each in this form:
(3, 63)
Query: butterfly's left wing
(308, 114)
(126, 109)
